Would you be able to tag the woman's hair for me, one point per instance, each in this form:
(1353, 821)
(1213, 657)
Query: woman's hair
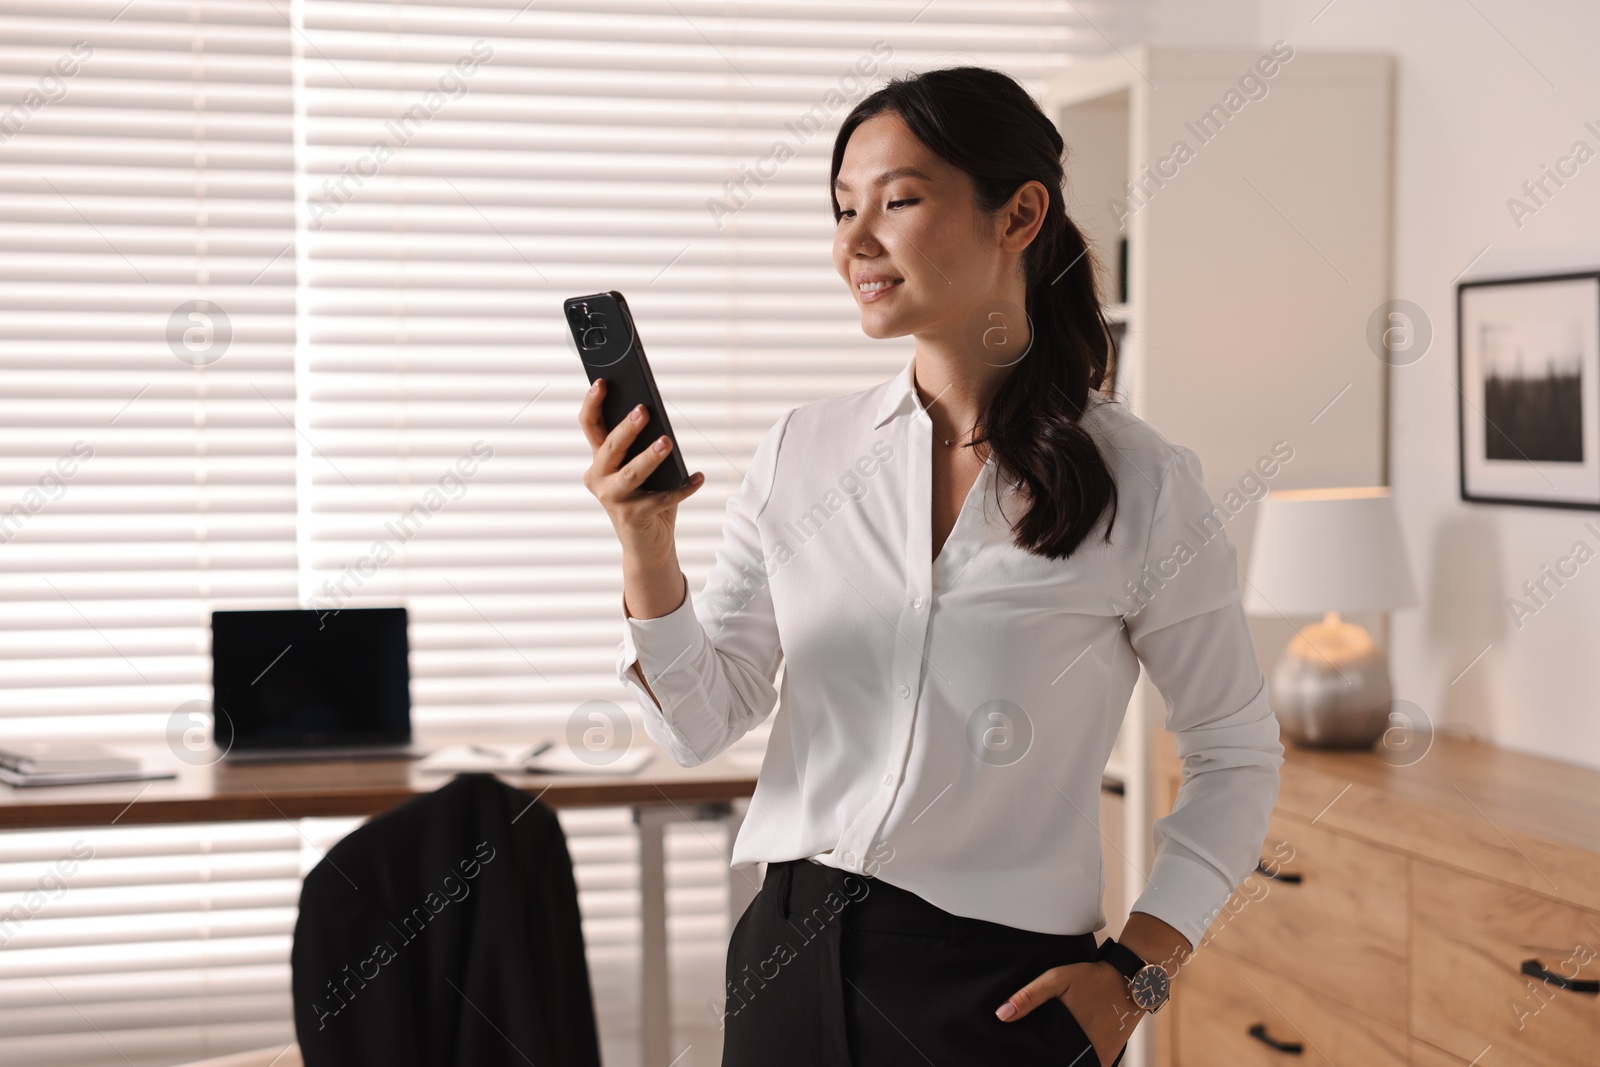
(984, 123)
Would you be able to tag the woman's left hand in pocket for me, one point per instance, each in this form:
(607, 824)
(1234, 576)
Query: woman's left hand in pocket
(1095, 993)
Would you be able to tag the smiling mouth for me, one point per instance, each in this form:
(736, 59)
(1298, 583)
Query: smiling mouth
(873, 290)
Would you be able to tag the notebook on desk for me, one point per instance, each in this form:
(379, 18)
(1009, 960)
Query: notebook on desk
(300, 684)
(545, 758)
(71, 763)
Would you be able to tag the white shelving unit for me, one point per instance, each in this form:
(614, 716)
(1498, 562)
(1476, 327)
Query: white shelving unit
(1257, 253)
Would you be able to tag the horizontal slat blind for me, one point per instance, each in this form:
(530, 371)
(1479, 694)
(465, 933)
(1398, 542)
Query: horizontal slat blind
(168, 944)
(150, 945)
(387, 202)
(146, 455)
(146, 162)
(470, 165)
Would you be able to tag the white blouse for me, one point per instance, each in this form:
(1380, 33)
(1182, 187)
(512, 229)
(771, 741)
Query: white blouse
(945, 721)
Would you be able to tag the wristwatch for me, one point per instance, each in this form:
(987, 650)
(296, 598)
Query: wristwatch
(1148, 983)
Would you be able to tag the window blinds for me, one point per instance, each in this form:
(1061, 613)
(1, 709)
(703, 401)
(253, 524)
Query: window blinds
(153, 946)
(149, 945)
(280, 327)
(279, 288)
(468, 167)
(147, 318)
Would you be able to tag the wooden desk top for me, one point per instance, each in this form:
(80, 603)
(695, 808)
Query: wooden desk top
(233, 791)
(1475, 780)
(1465, 803)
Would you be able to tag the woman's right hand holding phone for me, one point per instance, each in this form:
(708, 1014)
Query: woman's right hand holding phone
(645, 522)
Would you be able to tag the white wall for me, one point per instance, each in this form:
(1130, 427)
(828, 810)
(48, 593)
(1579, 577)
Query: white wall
(1487, 92)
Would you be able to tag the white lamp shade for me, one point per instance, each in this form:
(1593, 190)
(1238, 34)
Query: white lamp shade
(1322, 550)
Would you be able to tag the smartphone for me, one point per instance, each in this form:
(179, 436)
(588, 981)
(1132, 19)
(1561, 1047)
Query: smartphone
(608, 344)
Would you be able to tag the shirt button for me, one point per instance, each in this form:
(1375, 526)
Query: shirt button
(904, 691)
(888, 779)
(917, 603)
(849, 859)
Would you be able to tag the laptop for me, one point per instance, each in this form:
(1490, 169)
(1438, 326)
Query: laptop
(300, 685)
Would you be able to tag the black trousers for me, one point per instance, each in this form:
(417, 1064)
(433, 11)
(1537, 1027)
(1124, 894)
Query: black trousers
(827, 968)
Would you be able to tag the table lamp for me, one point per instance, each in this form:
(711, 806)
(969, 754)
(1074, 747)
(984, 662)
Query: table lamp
(1322, 552)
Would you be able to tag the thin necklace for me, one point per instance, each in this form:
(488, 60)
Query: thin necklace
(947, 440)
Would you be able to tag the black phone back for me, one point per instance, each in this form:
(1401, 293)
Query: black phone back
(608, 344)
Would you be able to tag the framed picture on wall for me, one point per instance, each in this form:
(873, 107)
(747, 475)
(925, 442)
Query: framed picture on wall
(1528, 390)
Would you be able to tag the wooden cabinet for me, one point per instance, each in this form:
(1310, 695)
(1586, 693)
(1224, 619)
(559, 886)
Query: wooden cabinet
(1328, 911)
(1468, 989)
(1424, 1055)
(1393, 914)
(1233, 1014)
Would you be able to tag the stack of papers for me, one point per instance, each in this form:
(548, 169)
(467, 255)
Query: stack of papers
(71, 764)
(546, 758)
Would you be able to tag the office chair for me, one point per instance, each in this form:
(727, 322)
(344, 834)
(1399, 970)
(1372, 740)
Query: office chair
(445, 933)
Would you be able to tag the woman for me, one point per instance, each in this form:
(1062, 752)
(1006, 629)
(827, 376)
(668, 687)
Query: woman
(956, 669)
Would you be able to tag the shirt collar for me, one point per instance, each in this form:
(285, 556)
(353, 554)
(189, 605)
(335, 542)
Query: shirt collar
(900, 395)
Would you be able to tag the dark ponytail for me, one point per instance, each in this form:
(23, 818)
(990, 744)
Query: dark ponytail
(984, 123)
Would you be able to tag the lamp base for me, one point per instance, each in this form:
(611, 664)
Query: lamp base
(1331, 688)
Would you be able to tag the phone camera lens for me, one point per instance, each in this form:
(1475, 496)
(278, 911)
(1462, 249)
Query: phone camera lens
(588, 326)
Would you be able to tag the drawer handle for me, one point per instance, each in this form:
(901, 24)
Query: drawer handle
(1281, 876)
(1534, 969)
(1259, 1032)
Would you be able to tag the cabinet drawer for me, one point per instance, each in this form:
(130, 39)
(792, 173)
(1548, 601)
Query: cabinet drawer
(1220, 1000)
(1428, 1056)
(1468, 991)
(1339, 930)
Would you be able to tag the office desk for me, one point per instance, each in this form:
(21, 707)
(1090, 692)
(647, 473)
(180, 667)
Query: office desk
(660, 793)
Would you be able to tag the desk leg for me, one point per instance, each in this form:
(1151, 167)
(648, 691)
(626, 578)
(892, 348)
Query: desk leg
(655, 993)
(655, 1003)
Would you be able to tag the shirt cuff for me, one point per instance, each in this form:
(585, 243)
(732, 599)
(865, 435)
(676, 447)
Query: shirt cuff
(662, 643)
(1185, 894)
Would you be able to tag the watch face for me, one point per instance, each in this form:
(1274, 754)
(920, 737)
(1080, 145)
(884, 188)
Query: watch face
(1149, 987)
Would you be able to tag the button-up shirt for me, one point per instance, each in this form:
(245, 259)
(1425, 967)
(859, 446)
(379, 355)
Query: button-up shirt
(945, 720)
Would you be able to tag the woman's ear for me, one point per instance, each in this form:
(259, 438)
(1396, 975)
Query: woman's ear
(1023, 215)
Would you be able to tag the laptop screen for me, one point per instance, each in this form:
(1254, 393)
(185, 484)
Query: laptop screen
(304, 679)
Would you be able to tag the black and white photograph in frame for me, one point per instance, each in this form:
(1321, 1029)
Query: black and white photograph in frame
(1528, 363)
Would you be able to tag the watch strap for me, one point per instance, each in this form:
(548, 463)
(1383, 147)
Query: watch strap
(1127, 962)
